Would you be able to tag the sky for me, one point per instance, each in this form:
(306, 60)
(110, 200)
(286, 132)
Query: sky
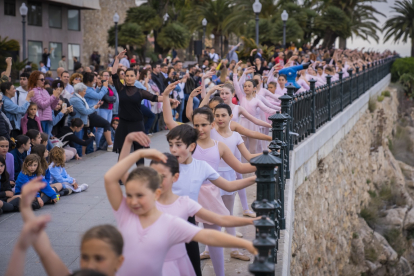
(402, 48)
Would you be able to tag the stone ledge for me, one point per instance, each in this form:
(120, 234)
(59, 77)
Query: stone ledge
(304, 159)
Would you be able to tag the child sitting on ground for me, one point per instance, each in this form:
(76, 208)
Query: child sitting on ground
(58, 173)
(103, 145)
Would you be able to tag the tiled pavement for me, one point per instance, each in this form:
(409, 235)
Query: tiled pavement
(76, 213)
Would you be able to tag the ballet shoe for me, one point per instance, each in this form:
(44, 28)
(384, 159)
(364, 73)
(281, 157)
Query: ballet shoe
(205, 255)
(238, 255)
(248, 213)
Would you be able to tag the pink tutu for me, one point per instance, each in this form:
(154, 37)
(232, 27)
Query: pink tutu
(178, 267)
(210, 198)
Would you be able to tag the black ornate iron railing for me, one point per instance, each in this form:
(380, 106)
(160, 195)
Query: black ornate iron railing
(301, 114)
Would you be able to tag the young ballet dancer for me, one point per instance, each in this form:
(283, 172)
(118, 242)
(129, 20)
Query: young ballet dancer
(4, 152)
(149, 232)
(177, 261)
(58, 172)
(252, 105)
(100, 250)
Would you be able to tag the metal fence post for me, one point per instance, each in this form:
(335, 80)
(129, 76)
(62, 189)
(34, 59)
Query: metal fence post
(267, 189)
(350, 86)
(328, 82)
(357, 80)
(313, 105)
(291, 91)
(341, 91)
(363, 80)
(285, 109)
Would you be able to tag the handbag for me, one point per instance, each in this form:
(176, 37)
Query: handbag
(58, 142)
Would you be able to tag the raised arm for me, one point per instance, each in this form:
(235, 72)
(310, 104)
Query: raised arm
(114, 174)
(232, 161)
(264, 108)
(50, 260)
(116, 62)
(235, 185)
(209, 74)
(247, 132)
(189, 109)
(166, 107)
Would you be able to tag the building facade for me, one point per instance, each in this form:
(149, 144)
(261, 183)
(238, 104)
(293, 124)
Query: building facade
(53, 24)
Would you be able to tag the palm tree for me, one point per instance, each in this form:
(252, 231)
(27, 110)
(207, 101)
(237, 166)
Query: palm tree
(401, 26)
(216, 12)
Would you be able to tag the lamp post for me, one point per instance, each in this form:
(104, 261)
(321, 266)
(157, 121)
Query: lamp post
(165, 17)
(257, 7)
(116, 20)
(285, 17)
(204, 23)
(23, 12)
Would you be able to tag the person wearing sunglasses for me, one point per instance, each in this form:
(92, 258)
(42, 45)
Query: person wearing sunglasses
(14, 112)
(75, 79)
(45, 103)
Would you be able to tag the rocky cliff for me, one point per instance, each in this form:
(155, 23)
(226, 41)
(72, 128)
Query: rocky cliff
(354, 215)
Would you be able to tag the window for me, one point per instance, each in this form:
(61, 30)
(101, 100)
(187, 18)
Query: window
(73, 51)
(55, 17)
(55, 54)
(35, 51)
(10, 7)
(74, 20)
(34, 14)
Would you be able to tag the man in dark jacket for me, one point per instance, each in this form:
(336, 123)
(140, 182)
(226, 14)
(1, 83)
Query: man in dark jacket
(158, 77)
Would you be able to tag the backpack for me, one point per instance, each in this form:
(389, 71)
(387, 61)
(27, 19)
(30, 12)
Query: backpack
(58, 142)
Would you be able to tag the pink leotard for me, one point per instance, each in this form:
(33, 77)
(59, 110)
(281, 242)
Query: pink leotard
(145, 248)
(177, 261)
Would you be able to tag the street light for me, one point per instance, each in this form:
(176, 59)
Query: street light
(116, 20)
(204, 23)
(23, 12)
(285, 17)
(165, 17)
(257, 7)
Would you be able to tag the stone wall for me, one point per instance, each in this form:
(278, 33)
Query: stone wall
(329, 238)
(96, 23)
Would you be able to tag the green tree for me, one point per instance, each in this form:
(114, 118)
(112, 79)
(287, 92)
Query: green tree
(174, 35)
(401, 26)
(6, 46)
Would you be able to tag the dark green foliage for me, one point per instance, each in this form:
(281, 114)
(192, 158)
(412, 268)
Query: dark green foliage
(174, 35)
(402, 66)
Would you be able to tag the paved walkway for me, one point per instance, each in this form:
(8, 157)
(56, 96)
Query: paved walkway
(76, 213)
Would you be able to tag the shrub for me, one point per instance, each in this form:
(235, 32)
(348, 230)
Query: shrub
(386, 93)
(370, 254)
(372, 105)
(395, 238)
(380, 98)
(402, 66)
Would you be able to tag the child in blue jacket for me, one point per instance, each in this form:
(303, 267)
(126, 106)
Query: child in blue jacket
(31, 169)
(58, 173)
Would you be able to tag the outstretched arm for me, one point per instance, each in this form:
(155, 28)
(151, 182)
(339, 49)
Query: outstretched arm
(166, 107)
(232, 161)
(245, 152)
(246, 132)
(116, 62)
(219, 239)
(251, 118)
(113, 190)
(235, 185)
(224, 221)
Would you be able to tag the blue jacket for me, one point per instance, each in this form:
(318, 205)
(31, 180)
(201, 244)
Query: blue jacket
(80, 108)
(13, 111)
(56, 118)
(18, 161)
(22, 179)
(93, 96)
(290, 73)
(59, 175)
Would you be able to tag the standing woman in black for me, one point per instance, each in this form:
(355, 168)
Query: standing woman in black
(130, 115)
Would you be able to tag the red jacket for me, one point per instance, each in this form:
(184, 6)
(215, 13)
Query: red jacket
(24, 120)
